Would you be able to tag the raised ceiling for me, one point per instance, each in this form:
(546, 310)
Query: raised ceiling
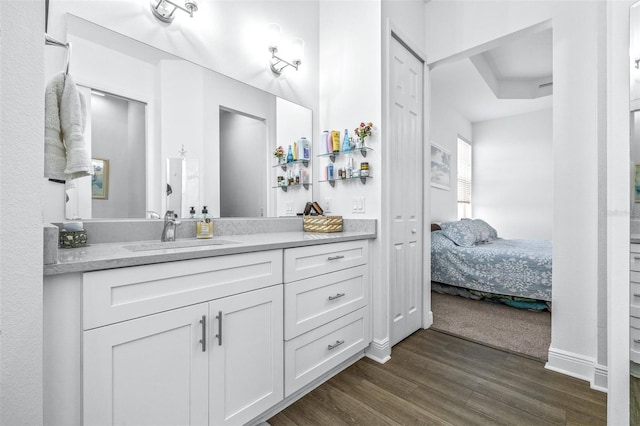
(509, 79)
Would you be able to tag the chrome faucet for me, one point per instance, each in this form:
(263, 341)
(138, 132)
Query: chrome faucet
(170, 224)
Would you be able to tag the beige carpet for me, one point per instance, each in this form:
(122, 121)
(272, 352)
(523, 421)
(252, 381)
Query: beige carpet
(502, 327)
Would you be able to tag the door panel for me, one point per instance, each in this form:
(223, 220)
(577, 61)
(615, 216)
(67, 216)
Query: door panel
(247, 359)
(406, 160)
(147, 371)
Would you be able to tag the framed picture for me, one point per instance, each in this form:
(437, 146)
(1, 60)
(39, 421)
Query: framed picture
(100, 179)
(636, 185)
(440, 167)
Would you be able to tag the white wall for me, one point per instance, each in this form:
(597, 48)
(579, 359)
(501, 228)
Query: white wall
(617, 211)
(513, 174)
(455, 26)
(446, 125)
(21, 171)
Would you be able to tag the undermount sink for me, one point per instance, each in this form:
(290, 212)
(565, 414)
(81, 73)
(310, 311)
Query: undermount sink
(164, 245)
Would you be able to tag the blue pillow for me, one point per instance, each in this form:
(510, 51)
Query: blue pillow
(493, 234)
(482, 230)
(459, 232)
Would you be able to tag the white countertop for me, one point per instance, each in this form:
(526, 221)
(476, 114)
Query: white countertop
(116, 255)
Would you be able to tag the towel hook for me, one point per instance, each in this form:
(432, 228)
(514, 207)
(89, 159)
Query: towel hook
(50, 41)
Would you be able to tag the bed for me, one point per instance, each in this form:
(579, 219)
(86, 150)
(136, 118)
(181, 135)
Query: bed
(468, 254)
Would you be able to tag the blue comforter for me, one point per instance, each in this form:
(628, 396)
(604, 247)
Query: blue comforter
(513, 267)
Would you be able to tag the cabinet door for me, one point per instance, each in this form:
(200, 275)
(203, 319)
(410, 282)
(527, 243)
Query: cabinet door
(246, 357)
(147, 371)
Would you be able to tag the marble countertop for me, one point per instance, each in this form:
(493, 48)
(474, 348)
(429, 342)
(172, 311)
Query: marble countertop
(122, 254)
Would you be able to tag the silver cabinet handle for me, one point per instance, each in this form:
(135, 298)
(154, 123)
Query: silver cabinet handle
(335, 257)
(335, 345)
(337, 296)
(636, 257)
(219, 335)
(636, 294)
(414, 231)
(203, 341)
(636, 340)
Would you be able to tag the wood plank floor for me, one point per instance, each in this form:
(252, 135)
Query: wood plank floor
(434, 378)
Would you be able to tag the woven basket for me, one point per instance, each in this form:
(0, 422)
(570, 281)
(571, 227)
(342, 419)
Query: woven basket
(322, 223)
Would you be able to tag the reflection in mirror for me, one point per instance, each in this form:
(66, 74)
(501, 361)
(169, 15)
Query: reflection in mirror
(181, 104)
(183, 185)
(243, 177)
(118, 135)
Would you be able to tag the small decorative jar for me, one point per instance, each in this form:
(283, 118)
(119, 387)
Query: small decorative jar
(364, 169)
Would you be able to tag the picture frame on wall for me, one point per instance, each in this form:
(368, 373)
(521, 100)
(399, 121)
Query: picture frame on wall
(100, 179)
(440, 167)
(636, 184)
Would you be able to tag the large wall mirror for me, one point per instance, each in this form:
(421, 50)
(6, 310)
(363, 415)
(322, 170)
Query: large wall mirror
(165, 133)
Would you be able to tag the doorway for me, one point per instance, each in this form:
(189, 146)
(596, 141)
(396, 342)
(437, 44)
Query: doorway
(242, 167)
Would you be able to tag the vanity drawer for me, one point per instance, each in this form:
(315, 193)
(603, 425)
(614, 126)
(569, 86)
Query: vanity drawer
(634, 257)
(315, 301)
(306, 262)
(634, 294)
(115, 295)
(634, 335)
(313, 354)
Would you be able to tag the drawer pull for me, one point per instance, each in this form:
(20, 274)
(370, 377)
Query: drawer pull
(219, 335)
(636, 294)
(636, 340)
(636, 257)
(203, 341)
(335, 345)
(335, 257)
(337, 296)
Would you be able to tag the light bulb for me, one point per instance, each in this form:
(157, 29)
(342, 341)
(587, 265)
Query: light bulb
(273, 35)
(297, 50)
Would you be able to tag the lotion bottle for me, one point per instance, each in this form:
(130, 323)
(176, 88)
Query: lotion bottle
(204, 227)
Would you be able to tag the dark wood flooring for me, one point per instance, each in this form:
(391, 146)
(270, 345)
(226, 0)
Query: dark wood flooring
(434, 378)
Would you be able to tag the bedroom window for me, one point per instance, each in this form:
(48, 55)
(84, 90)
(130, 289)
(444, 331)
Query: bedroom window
(464, 178)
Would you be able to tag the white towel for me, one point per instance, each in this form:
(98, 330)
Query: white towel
(65, 116)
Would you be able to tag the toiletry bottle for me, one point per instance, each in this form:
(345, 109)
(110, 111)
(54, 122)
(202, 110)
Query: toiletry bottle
(328, 142)
(330, 171)
(295, 151)
(204, 227)
(335, 135)
(289, 155)
(306, 148)
(346, 146)
(192, 212)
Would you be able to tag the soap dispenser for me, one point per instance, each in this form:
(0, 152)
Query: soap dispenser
(204, 227)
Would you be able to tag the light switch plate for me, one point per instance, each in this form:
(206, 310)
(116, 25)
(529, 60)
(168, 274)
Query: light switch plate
(328, 207)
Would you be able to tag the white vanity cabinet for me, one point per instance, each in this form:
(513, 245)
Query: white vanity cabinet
(326, 309)
(634, 308)
(227, 339)
(187, 342)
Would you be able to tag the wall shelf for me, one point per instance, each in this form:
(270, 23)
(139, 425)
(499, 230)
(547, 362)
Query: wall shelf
(295, 185)
(332, 155)
(284, 166)
(332, 182)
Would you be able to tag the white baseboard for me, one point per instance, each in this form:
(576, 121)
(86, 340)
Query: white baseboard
(578, 366)
(379, 350)
(600, 379)
(428, 320)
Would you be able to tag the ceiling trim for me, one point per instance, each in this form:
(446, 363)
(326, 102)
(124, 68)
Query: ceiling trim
(477, 50)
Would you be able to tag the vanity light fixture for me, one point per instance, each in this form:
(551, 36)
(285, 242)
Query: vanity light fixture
(164, 10)
(277, 64)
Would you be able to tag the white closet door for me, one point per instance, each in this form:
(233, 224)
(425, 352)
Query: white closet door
(406, 198)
